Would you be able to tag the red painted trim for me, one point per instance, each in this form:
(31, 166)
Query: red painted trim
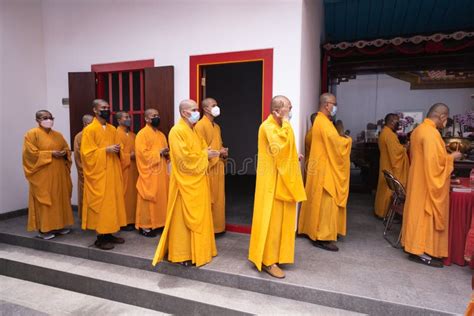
(100, 88)
(265, 55)
(111, 99)
(142, 96)
(120, 92)
(243, 229)
(124, 66)
(130, 89)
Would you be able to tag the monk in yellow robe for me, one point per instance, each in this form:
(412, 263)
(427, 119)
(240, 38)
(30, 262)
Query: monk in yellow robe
(152, 156)
(126, 139)
(279, 186)
(211, 133)
(394, 159)
(426, 212)
(47, 167)
(103, 207)
(323, 215)
(307, 144)
(188, 236)
(86, 120)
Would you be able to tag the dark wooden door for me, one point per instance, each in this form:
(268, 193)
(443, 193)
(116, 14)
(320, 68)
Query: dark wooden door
(159, 94)
(81, 94)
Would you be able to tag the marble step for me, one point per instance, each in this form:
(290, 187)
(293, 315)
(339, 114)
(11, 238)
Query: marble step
(145, 289)
(226, 278)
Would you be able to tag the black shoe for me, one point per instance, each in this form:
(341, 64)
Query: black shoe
(101, 243)
(149, 234)
(435, 263)
(218, 235)
(128, 228)
(326, 245)
(112, 239)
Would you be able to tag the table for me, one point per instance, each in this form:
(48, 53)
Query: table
(461, 221)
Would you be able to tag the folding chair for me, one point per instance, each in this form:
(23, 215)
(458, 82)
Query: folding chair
(396, 207)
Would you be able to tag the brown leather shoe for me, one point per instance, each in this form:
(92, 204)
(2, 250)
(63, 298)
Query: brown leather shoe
(326, 245)
(274, 270)
(103, 244)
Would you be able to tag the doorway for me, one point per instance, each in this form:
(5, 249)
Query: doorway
(241, 82)
(237, 88)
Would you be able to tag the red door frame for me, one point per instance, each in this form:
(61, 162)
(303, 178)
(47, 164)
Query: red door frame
(195, 73)
(264, 55)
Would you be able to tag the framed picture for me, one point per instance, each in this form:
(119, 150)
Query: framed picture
(409, 120)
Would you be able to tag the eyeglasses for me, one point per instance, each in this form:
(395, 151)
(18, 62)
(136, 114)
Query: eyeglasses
(46, 118)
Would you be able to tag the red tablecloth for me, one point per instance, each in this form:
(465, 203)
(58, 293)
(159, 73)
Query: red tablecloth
(461, 215)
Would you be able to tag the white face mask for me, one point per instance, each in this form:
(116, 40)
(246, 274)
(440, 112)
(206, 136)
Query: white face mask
(216, 111)
(47, 123)
(194, 117)
(290, 115)
(334, 110)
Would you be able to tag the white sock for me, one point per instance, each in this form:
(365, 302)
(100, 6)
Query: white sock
(425, 256)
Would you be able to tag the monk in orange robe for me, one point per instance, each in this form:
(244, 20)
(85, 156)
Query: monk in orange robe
(211, 133)
(86, 120)
(426, 212)
(126, 139)
(278, 188)
(47, 167)
(188, 236)
(103, 207)
(152, 156)
(307, 144)
(394, 159)
(323, 215)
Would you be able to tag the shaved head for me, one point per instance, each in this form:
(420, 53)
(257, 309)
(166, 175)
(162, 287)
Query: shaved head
(41, 113)
(187, 105)
(437, 109)
(208, 102)
(390, 117)
(325, 98)
(150, 113)
(120, 114)
(97, 103)
(87, 119)
(278, 102)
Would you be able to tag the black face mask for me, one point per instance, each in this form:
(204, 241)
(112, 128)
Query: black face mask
(105, 114)
(155, 121)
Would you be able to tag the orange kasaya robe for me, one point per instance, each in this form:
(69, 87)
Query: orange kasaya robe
(189, 232)
(307, 149)
(103, 207)
(394, 159)
(426, 211)
(211, 133)
(323, 215)
(80, 174)
(470, 306)
(153, 180)
(129, 171)
(278, 188)
(49, 203)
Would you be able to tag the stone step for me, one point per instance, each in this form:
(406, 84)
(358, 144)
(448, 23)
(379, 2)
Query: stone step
(19, 297)
(146, 289)
(225, 278)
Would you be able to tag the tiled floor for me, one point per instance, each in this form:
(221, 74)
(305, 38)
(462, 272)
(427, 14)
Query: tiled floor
(366, 264)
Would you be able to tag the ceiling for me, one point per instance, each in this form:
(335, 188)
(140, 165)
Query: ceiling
(350, 20)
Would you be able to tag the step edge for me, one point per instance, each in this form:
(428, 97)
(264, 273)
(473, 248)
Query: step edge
(202, 275)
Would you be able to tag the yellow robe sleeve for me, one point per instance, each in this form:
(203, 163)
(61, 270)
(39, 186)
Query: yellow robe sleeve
(189, 161)
(94, 162)
(77, 153)
(396, 153)
(148, 161)
(289, 186)
(204, 128)
(438, 167)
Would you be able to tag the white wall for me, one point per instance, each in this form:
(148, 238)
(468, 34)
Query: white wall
(310, 86)
(78, 33)
(369, 98)
(23, 91)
